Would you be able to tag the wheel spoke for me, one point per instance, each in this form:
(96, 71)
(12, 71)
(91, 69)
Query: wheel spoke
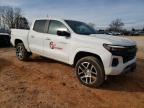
(92, 67)
(90, 79)
(81, 73)
(21, 48)
(87, 65)
(93, 70)
(83, 64)
(80, 68)
(82, 76)
(94, 73)
(86, 79)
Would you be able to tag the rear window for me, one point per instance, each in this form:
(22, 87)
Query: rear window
(39, 26)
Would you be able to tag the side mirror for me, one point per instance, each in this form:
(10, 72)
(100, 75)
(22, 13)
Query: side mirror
(63, 33)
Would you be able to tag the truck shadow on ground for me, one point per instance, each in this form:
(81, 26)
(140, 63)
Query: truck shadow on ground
(41, 59)
(123, 83)
(131, 82)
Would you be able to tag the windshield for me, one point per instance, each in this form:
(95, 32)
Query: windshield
(80, 27)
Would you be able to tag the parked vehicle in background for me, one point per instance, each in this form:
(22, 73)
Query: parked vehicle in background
(133, 33)
(114, 33)
(101, 32)
(93, 55)
(4, 36)
(142, 33)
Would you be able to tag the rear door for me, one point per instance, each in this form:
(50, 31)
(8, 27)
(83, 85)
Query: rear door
(57, 47)
(36, 36)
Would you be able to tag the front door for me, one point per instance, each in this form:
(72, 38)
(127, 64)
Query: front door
(57, 47)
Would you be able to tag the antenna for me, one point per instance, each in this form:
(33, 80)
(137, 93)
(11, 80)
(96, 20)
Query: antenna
(47, 15)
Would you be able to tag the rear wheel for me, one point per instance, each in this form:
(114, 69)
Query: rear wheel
(21, 53)
(90, 72)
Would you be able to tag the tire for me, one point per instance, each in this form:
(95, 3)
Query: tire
(21, 53)
(90, 72)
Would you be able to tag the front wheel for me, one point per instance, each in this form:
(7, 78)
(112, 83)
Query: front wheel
(90, 72)
(21, 53)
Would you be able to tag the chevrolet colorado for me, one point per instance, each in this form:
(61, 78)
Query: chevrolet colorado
(93, 55)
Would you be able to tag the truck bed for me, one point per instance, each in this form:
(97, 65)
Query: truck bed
(19, 32)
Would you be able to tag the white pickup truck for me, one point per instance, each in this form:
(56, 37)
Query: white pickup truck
(93, 55)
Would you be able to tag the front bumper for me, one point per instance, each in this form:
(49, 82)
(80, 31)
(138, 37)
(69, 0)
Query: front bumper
(122, 61)
(122, 67)
(129, 68)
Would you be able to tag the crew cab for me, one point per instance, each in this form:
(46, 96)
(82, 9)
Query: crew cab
(93, 55)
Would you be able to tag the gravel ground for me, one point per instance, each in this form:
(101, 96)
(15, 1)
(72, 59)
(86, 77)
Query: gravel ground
(45, 83)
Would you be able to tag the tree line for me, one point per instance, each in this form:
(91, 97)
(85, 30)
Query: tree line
(13, 17)
(116, 26)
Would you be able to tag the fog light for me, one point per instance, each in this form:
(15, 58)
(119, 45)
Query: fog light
(115, 62)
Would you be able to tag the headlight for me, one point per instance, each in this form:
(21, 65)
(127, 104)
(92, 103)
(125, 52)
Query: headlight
(114, 48)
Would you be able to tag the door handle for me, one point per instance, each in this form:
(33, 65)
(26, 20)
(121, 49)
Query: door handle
(47, 39)
(32, 36)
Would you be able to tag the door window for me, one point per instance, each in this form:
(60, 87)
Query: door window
(55, 26)
(39, 26)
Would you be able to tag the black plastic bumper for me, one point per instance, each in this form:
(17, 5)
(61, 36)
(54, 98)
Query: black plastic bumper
(129, 68)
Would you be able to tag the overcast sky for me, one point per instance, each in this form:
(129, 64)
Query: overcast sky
(100, 12)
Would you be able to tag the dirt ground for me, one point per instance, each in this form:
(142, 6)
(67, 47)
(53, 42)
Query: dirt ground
(45, 83)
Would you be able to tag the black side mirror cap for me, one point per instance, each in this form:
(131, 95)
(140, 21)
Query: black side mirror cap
(63, 33)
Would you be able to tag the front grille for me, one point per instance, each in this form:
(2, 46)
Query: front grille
(128, 54)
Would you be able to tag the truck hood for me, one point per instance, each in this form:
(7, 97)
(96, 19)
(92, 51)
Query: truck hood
(115, 40)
